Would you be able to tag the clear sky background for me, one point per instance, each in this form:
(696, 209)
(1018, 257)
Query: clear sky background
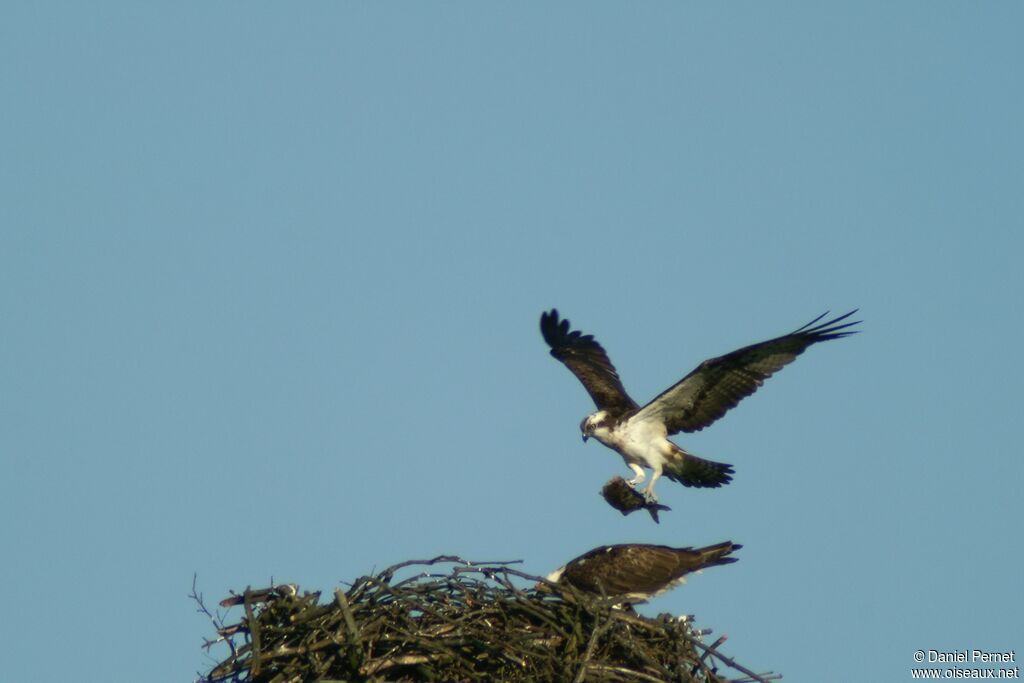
(270, 278)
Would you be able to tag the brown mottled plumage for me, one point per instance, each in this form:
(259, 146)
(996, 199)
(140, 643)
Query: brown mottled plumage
(637, 572)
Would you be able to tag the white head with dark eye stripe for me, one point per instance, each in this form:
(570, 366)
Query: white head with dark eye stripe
(591, 423)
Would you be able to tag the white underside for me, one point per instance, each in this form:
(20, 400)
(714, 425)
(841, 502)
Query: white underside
(641, 443)
(638, 597)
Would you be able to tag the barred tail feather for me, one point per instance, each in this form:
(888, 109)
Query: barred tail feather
(689, 470)
(714, 555)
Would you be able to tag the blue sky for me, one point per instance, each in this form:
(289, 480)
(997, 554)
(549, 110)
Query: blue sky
(270, 279)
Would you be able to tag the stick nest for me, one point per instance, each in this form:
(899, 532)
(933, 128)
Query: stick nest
(471, 623)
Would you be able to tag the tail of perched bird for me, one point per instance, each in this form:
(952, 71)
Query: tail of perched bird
(689, 470)
(713, 555)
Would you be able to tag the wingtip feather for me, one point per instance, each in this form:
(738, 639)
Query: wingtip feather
(550, 325)
(830, 329)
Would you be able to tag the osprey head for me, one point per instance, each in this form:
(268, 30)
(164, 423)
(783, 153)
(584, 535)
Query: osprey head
(593, 422)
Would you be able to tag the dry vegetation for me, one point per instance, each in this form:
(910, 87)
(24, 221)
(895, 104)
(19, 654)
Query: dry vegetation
(474, 622)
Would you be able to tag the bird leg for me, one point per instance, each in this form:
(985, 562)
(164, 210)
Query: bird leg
(649, 491)
(639, 472)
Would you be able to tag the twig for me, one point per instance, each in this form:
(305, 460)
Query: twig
(254, 633)
(728, 661)
(603, 668)
(346, 611)
(386, 574)
(217, 621)
(701, 662)
(595, 634)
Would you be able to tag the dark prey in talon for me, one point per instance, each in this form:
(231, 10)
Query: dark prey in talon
(626, 499)
(636, 572)
(640, 434)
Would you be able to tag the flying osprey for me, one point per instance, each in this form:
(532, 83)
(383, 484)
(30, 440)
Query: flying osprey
(638, 572)
(640, 434)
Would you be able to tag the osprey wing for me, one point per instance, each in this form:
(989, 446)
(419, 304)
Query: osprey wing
(718, 384)
(640, 569)
(588, 361)
(623, 569)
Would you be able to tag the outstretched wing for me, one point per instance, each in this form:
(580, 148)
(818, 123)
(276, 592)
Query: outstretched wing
(588, 361)
(718, 384)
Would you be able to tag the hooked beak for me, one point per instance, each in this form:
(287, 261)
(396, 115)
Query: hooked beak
(585, 437)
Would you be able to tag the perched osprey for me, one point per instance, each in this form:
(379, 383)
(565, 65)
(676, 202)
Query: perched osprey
(638, 572)
(626, 499)
(640, 434)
